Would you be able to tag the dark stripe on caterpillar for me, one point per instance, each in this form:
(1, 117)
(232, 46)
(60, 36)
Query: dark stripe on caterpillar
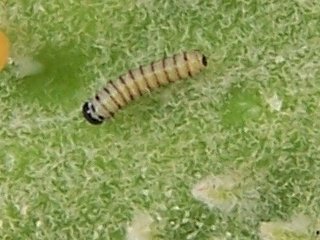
(144, 78)
(185, 57)
(165, 70)
(121, 94)
(155, 75)
(126, 86)
(135, 82)
(176, 66)
(112, 98)
(104, 106)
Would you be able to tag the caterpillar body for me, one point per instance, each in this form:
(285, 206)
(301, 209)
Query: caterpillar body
(118, 93)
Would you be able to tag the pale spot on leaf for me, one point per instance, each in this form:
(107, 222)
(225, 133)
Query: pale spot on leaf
(275, 102)
(27, 66)
(215, 192)
(140, 227)
(223, 191)
(300, 227)
(38, 224)
(24, 210)
(279, 59)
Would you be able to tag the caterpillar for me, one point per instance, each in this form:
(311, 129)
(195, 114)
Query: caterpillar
(116, 94)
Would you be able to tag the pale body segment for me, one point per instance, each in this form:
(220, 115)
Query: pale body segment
(118, 93)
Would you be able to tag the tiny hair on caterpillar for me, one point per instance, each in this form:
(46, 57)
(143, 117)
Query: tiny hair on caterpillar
(116, 94)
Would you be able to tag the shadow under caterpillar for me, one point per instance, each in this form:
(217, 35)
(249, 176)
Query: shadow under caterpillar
(118, 93)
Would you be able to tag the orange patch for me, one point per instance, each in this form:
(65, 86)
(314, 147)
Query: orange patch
(4, 50)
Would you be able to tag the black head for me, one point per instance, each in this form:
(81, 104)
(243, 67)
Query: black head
(87, 110)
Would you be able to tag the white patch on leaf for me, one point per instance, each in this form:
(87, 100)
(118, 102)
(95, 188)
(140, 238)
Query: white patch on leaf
(140, 227)
(26, 66)
(224, 191)
(300, 227)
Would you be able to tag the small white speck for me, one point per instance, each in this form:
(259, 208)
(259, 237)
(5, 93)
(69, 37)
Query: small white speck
(192, 235)
(279, 59)
(10, 61)
(9, 162)
(95, 235)
(38, 8)
(38, 224)
(145, 192)
(158, 217)
(199, 224)
(23, 210)
(176, 208)
(275, 102)
(168, 193)
(185, 220)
